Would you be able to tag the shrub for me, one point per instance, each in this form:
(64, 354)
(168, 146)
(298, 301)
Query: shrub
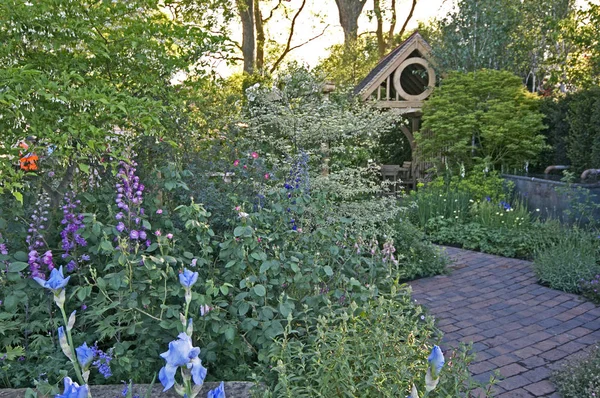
(417, 256)
(377, 347)
(484, 118)
(583, 148)
(579, 377)
(591, 289)
(562, 265)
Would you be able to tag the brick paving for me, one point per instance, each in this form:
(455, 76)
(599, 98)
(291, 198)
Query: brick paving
(518, 328)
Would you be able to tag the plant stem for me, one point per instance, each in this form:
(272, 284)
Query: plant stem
(72, 347)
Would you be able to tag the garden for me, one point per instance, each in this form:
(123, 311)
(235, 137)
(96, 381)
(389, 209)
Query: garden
(160, 224)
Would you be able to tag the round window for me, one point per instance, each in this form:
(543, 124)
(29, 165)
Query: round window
(414, 79)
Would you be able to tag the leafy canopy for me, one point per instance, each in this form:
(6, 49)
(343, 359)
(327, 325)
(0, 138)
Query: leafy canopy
(86, 78)
(481, 118)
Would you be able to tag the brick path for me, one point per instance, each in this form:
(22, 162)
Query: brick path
(519, 328)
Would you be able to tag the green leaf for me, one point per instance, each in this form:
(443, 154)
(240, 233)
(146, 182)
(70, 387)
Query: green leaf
(106, 246)
(328, 270)
(84, 167)
(21, 256)
(243, 308)
(17, 266)
(260, 290)
(265, 267)
(229, 333)
(18, 196)
(224, 290)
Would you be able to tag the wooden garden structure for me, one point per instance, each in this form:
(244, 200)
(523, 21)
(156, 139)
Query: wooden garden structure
(401, 82)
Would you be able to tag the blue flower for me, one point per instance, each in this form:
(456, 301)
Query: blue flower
(56, 282)
(188, 278)
(436, 360)
(85, 355)
(218, 392)
(181, 353)
(72, 390)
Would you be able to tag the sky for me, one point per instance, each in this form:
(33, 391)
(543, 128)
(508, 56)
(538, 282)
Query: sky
(319, 14)
(324, 13)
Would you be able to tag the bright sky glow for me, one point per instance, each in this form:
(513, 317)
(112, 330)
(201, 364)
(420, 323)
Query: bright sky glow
(323, 13)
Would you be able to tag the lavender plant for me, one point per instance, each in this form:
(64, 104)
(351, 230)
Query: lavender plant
(71, 233)
(35, 239)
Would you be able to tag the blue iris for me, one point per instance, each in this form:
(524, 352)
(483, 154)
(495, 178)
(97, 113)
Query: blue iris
(73, 390)
(56, 282)
(188, 278)
(181, 353)
(436, 360)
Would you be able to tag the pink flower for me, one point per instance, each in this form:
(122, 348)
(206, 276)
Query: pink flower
(267, 176)
(169, 236)
(245, 166)
(159, 211)
(157, 233)
(254, 155)
(238, 208)
(259, 239)
(236, 162)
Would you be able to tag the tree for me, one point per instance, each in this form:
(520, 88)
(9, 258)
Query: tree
(248, 46)
(477, 35)
(481, 118)
(88, 79)
(347, 65)
(255, 33)
(583, 142)
(582, 64)
(385, 40)
(524, 37)
(349, 11)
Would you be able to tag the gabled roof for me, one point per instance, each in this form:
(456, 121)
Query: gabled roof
(391, 61)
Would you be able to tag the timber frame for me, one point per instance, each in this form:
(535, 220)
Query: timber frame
(401, 82)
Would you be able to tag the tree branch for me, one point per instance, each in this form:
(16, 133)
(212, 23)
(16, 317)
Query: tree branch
(265, 20)
(408, 18)
(289, 40)
(276, 64)
(393, 24)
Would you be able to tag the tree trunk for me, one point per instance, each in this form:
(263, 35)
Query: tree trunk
(381, 43)
(246, 10)
(349, 11)
(260, 38)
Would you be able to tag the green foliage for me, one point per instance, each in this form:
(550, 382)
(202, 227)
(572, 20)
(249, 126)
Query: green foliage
(477, 213)
(579, 377)
(451, 196)
(376, 347)
(503, 241)
(584, 135)
(417, 256)
(477, 35)
(590, 289)
(256, 271)
(582, 66)
(86, 79)
(348, 64)
(557, 129)
(517, 36)
(483, 118)
(575, 256)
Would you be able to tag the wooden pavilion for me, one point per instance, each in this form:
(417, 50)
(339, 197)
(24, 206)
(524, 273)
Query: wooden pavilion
(401, 82)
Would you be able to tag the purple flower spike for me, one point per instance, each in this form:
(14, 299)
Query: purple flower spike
(73, 224)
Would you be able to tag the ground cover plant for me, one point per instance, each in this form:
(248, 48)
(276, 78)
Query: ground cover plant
(579, 377)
